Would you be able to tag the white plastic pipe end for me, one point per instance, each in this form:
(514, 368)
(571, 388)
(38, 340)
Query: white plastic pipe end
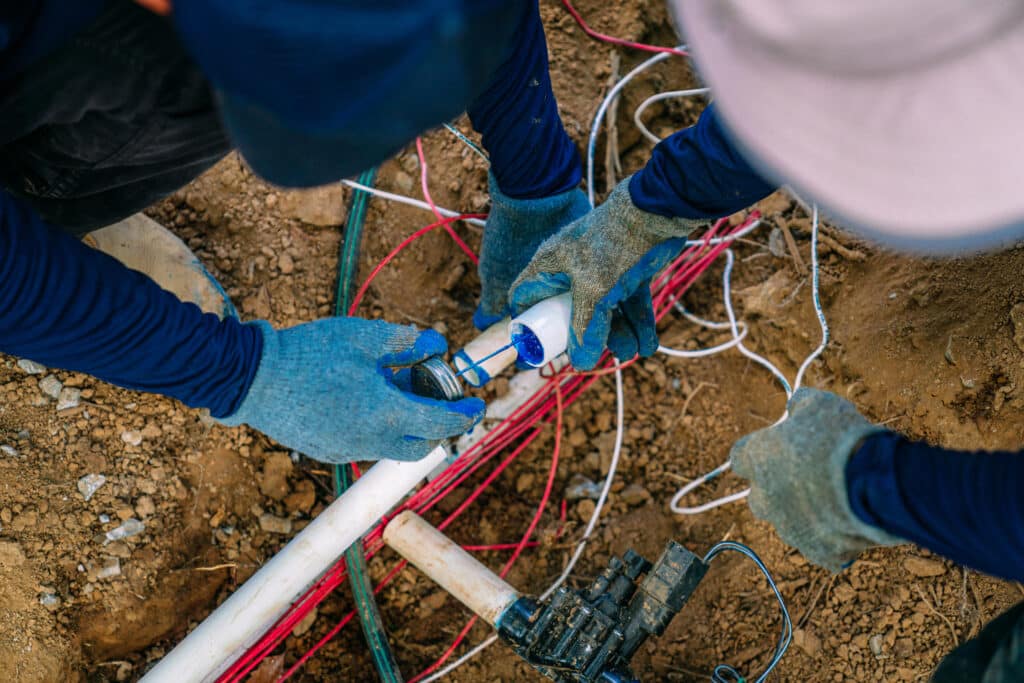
(541, 333)
(468, 360)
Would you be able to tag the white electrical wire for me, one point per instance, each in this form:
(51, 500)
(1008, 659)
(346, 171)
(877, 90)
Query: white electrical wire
(620, 421)
(671, 94)
(469, 143)
(816, 295)
(726, 286)
(402, 199)
(602, 110)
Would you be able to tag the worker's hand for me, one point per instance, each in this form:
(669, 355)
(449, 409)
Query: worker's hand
(329, 389)
(797, 473)
(515, 228)
(607, 259)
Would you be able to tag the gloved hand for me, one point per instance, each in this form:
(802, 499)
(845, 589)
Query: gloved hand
(514, 230)
(797, 473)
(327, 389)
(607, 259)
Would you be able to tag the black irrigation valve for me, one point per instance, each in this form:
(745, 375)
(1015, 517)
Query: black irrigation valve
(591, 635)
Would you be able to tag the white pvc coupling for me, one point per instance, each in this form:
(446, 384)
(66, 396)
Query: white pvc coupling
(448, 565)
(475, 362)
(541, 333)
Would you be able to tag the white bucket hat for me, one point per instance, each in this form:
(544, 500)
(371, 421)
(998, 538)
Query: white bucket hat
(903, 118)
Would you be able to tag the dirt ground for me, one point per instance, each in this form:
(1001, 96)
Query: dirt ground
(931, 348)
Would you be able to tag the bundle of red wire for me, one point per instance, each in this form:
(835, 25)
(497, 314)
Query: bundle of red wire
(509, 438)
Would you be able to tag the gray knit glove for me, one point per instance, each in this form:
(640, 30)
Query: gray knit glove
(798, 481)
(607, 259)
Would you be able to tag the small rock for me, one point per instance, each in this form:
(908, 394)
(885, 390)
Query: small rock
(303, 626)
(144, 506)
(273, 524)
(585, 509)
(634, 494)
(403, 181)
(302, 499)
(777, 243)
(111, 568)
(151, 431)
(524, 482)
(9, 451)
(89, 484)
(130, 527)
(923, 567)
(50, 601)
(321, 206)
(132, 437)
(274, 477)
(31, 367)
(580, 487)
(68, 398)
(807, 641)
(577, 438)
(285, 263)
(50, 386)
(104, 519)
(875, 643)
(124, 672)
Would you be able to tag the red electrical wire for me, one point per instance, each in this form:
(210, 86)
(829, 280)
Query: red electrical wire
(357, 299)
(546, 405)
(619, 41)
(433, 207)
(529, 532)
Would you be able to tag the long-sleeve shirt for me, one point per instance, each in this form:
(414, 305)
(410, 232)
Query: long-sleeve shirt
(967, 506)
(68, 306)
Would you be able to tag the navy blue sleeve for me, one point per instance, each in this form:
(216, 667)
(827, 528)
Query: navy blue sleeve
(311, 91)
(698, 173)
(68, 306)
(517, 116)
(967, 506)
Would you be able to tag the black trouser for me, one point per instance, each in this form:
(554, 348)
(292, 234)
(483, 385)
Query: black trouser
(996, 655)
(113, 121)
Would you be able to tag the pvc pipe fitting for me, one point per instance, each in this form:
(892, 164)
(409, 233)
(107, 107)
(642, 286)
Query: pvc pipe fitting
(541, 333)
(451, 567)
(468, 360)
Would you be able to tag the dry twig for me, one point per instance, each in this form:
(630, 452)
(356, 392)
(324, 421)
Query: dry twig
(940, 615)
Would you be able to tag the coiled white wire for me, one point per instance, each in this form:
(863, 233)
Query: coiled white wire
(674, 504)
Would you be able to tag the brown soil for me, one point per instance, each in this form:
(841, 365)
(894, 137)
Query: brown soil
(932, 348)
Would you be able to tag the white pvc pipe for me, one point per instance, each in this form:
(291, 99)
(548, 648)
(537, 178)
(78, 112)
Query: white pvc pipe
(541, 333)
(475, 360)
(451, 567)
(245, 616)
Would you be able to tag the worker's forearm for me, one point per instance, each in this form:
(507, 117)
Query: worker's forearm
(71, 307)
(698, 173)
(517, 116)
(965, 506)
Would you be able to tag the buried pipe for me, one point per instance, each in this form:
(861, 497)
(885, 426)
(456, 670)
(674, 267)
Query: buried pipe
(252, 609)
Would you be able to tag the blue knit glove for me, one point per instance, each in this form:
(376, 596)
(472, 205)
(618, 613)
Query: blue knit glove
(607, 259)
(328, 389)
(797, 473)
(515, 228)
